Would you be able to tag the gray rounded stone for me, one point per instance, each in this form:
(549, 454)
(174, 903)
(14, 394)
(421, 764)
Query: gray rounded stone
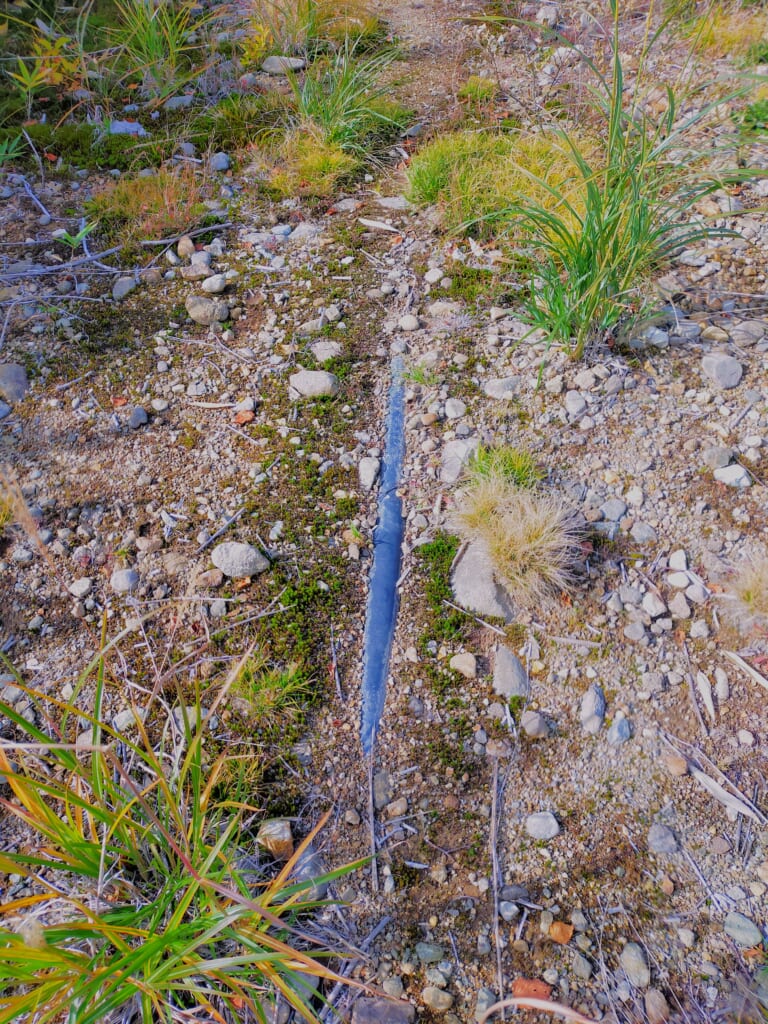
(619, 732)
(635, 965)
(509, 676)
(534, 724)
(429, 952)
(592, 710)
(742, 930)
(312, 384)
(206, 311)
(368, 470)
(437, 999)
(542, 825)
(219, 162)
(122, 287)
(138, 418)
(662, 839)
(280, 65)
(239, 561)
(13, 382)
(215, 284)
(723, 370)
(81, 588)
(123, 581)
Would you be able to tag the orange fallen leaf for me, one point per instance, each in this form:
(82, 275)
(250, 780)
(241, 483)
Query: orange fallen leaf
(52, 157)
(119, 400)
(245, 416)
(242, 584)
(530, 988)
(561, 932)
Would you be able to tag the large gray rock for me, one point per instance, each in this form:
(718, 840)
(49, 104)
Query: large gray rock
(123, 581)
(279, 65)
(661, 839)
(733, 476)
(723, 370)
(368, 470)
(206, 311)
(475, 588)
(509, 676)
(13, 382)
(240, 561)
(312, 384)
(592, 710)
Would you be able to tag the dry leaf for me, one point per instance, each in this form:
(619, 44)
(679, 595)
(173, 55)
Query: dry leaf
(118, 401)
(245, 416)
(544, 1005)
(725, 798)
(561, 932)
(705, 689)
(530, 988)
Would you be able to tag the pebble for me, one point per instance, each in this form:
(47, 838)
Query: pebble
(206, 311)
(723, 370)
(742, 930)
(509, 676)
(13, 382)
(437, 999)
(239, 561)
(635, 965)
(542, 825)
(474, 586)
(409, 322)
(312, 384)
(368, 471)
(454, 409)
(277, 64)
(484, 1000)
(575, 404)
(662, 839)
(656, 1007)
(215, 284)
(455, 456)
(185, 247)
(582, 968)
(465, 664)
(82, 587)
(219, 162)
(123, 581)
(619, 732)
(122, 287)
(592, 710)
(429, 952)
(733, 476)
(138, 418)
(534, 724)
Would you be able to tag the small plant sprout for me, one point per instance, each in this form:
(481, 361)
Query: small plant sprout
(477, 91)
(10, 149)
(421, 374)
(73, 241)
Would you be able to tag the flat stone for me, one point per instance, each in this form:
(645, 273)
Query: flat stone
(123, 581)
(634, 631)
(122, 287)
(13, 382)
(215, 284)
(280, 65)
(723, 370)
(742, 930)
(542, 825)
(534, 724)
(614, 509)
(409, 322)
(456, 454)
(635, 965)
(220, 162)
(383, 790)
(733, 476)
(429, 952)
(502, 388)
(368, 470)
(455, 409)
(643, 533)
(382, 1011)
(592, 710)
(312, 384)
(437, 999)
(654, 605)
(509, 676)
(717, 456)
(679, 607)
(582, 968)
(575, 404)
(475, 588)
(81, 588)
(656, 1007)
(206, 311)
(619, 732)
(748, 333)
(324, 351)
(127, 128)
(138, 418)
(662, 839)
(239, 561)
(465, 664)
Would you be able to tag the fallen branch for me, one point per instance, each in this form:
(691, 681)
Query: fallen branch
(188, 234)
(63, 268)
(477, 618)
(224, 528)
(745, 667)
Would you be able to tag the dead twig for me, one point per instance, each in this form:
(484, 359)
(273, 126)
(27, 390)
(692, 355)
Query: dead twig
(692, 694)
(224, 528)
(482, 622)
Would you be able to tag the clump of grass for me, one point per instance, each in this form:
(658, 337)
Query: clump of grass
(271, 691)
(478, 91)
(507, 463)
(531, 536)
(748, 594)
(150, 207)
(239, 120)
(140, 898)
(308, 27)
(309, 166)
(731, 30)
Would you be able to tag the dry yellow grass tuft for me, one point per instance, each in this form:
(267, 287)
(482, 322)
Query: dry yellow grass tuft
(531, 536)
(729, 30)
(748, 594)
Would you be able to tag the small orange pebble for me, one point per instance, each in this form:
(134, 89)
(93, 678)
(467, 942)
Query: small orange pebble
(561, 932)
(530, 988)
